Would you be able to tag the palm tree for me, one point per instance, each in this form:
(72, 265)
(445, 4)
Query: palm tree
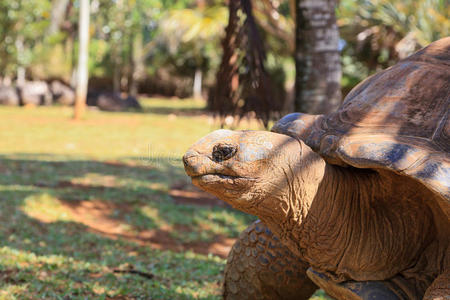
(317, 57)
(224, 97)
(380, 32)
(243, 85)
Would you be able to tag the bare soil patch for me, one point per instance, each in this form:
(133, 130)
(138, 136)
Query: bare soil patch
(101, 217)
(97, 216)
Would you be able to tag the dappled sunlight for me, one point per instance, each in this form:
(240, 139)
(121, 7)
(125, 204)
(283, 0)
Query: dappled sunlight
(204, 234)
(98, 215)
(19, 272)
(94, 264)
(13, 289)
(45, 208)
(94, 179)
(101, 206)
(153, 214)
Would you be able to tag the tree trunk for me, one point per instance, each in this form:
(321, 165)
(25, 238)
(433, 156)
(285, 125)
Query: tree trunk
(317, 58)
(116, 70)
(82, 71)
(58, 15)
(137, 64)
(259, 94)
(225, 95)
(197, 88)
(20, 68)
(116, 53)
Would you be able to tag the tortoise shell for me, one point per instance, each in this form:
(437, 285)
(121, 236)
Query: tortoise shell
(396, 119)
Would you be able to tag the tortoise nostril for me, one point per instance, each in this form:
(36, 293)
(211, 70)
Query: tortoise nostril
(189, 157)
(223, 152)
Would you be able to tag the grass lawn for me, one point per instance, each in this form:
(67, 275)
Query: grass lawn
(92, 209)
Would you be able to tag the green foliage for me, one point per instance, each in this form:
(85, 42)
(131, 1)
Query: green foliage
(117, 27)
(427, 20)
(187, 25)
(379, 33)
(173, 37)
(192, 38)
(22, 29)
(114, 26)
(170, 39)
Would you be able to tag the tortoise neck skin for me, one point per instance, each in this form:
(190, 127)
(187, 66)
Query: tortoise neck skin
(349, 223)
(345, 222)
(354, 214)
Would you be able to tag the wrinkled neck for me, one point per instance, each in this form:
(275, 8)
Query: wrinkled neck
(364, 226)
(353, 223)
(344, 197)
(288, 204)
(323, 202)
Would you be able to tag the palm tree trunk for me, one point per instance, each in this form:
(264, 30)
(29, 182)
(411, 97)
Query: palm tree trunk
(20, 67)
(82, 71)
(225, 95)
(317, 58)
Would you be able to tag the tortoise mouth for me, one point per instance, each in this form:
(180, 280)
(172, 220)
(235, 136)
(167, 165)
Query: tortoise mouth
(217, 177)
(223, 181)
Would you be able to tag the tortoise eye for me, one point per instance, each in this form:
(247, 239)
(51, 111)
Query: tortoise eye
(223, 152)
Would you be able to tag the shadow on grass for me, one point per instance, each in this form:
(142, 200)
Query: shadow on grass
(63, 259)
(109, 195)
(96, 216)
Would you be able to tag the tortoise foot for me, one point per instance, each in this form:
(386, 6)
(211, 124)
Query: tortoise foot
(357, 290)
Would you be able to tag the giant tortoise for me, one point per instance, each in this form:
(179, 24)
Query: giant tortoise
(357, 200)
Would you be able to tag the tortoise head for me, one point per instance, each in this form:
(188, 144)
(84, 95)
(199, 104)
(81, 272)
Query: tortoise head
(251, 170)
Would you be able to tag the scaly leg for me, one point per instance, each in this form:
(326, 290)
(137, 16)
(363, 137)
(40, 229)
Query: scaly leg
(260, 267)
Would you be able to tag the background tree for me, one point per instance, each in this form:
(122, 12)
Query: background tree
(163, 46)
(378, 33)
(192, 36)
(22, 33)
(224, 97)
(82, 70)
(317, 57)
(244, 86)
(58, 14)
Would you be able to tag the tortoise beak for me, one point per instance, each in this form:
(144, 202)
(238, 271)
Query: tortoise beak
(194, 163)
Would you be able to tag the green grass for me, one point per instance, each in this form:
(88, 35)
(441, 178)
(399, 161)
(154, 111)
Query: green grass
(82, 201)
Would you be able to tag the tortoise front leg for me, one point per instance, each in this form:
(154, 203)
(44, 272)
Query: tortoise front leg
(260, 267)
